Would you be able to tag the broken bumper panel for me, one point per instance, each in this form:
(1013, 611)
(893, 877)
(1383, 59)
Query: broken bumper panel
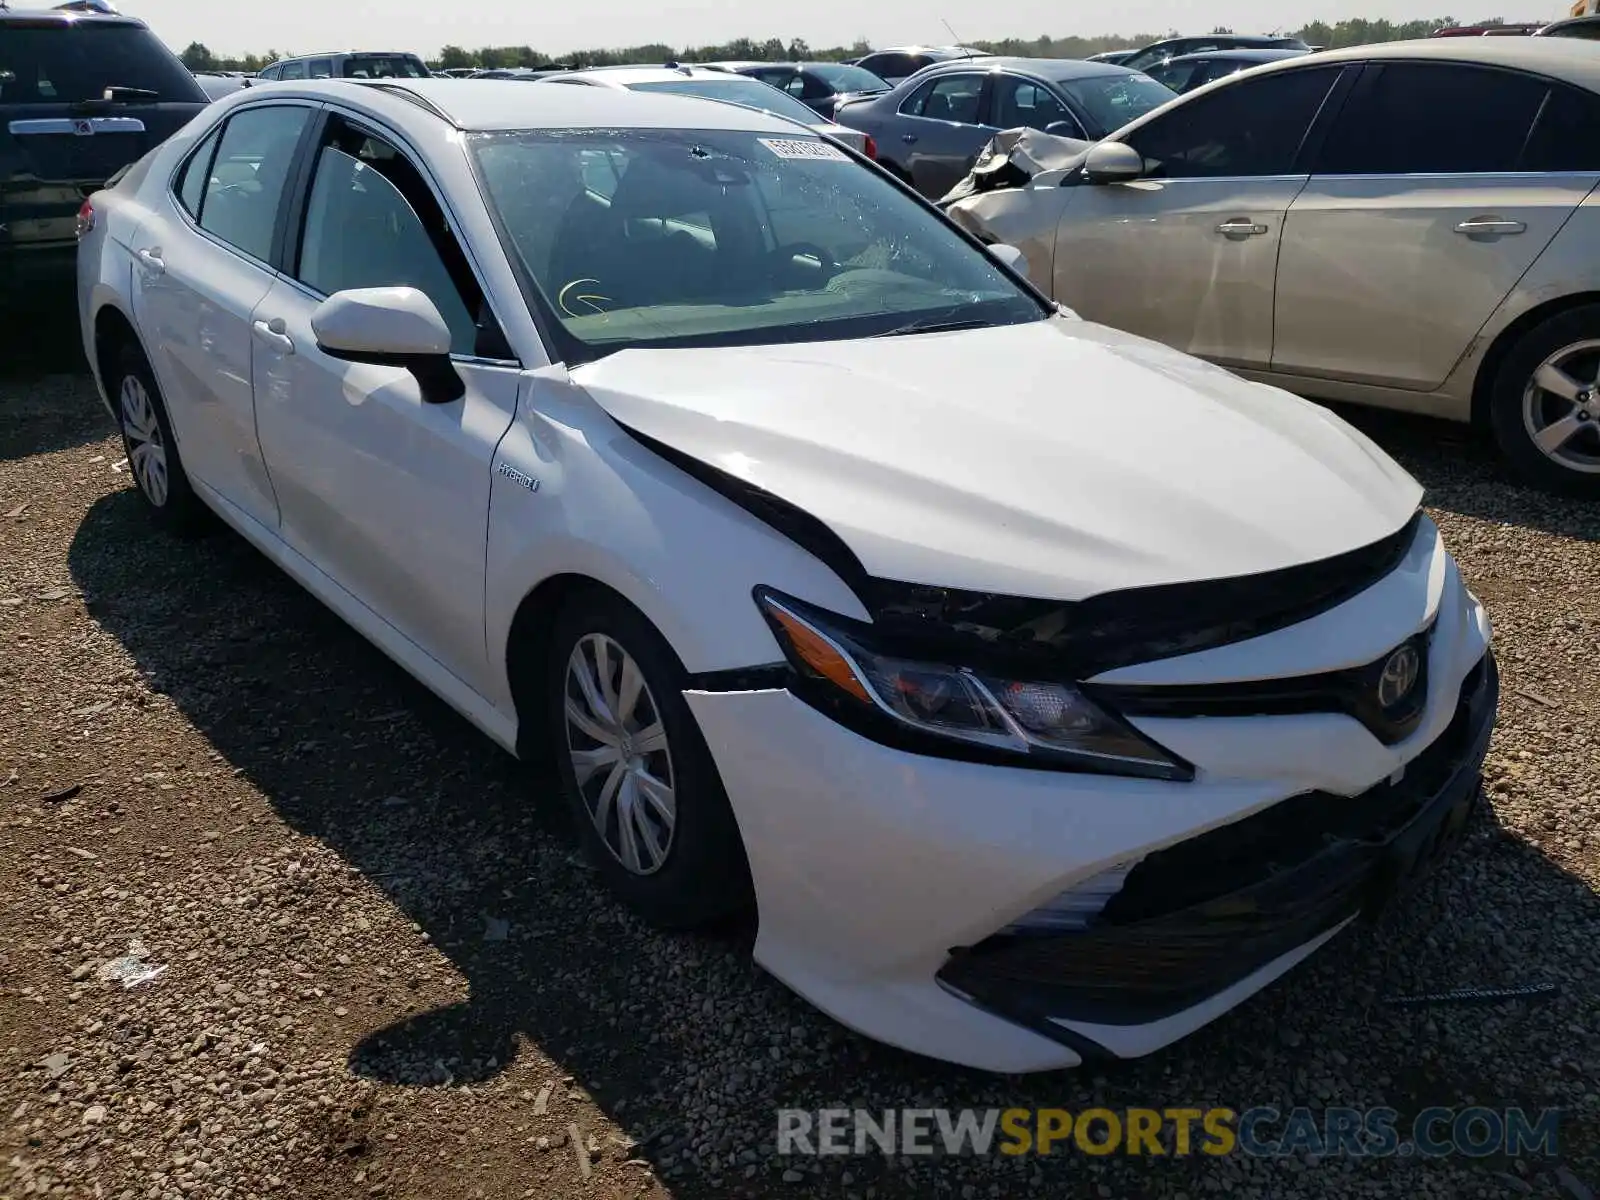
(1195, 919)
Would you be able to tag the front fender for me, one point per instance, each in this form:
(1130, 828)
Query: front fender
(604, 507)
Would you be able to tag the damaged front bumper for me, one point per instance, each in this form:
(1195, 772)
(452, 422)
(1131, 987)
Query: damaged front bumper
(1192, 920)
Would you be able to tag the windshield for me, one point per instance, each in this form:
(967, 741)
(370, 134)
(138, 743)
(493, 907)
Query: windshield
(67, 64)
(751, 93)
(1113, 100)
(843, 78)
(718, 238)
(385, 66)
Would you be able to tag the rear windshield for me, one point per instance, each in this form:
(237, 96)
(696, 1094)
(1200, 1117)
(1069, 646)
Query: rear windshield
(385, 66)
(751, 94)
(64, 64)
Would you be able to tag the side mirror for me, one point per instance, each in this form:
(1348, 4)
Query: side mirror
(1113, 162)
(390, 327)
(1010, 256)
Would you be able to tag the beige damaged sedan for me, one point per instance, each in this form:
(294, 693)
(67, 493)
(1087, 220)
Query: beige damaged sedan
(1413, 225)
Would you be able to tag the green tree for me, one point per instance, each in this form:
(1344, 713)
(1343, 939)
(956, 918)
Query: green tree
(454, 58)
(196, 57)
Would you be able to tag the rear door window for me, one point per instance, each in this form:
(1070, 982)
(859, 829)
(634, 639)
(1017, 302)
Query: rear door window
(292, 70)
(247, 178)
(1433, 118)
(319, 68)
(67, 64)
(948, 98)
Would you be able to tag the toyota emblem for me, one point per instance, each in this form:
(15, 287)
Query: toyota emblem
(1399, 676)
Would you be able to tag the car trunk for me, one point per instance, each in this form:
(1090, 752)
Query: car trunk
(78, 102)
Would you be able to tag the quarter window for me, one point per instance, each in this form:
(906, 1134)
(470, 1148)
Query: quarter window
(372, 222)
(1426, 118)
(192, 185)
(1252, 129)
(246, 181)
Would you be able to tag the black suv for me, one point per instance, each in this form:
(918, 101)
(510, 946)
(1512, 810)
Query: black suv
(82, 95)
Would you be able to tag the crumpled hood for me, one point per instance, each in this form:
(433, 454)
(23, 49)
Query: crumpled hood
(1055, 460)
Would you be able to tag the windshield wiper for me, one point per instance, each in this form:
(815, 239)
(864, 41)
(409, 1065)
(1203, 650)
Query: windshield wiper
(117, 94)
(929, 325)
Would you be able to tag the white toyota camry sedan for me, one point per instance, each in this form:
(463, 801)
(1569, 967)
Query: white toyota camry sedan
(1045, 691)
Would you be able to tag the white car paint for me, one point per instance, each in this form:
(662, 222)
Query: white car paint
(631, 77)
(1058, 459)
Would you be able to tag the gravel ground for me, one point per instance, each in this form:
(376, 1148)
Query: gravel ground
(383, 970)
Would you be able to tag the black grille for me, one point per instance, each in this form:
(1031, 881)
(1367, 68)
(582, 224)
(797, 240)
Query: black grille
(1080, 639)
(1356, 692)
(1196, 917)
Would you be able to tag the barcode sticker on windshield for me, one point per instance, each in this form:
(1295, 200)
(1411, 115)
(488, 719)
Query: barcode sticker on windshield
(794, 148)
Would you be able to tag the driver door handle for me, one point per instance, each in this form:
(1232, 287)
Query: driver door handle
(1240, 228)
(1490, 226)
(150, 259)
(272, 333)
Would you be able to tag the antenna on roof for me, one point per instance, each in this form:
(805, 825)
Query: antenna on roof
(955, 37)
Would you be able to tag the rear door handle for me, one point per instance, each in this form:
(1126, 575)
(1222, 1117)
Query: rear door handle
(1491, 227)
(272, 333)
(151, 260)
(908, 138)
(1240, 228)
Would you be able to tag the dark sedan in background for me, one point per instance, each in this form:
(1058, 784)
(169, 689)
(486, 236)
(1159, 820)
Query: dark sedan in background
(1189, 71)
(820, 86)
(901, 62)
(1160, 52)
(930, 129)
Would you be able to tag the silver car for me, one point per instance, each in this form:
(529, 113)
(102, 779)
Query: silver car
(1413, 225)
(712, 84)
(930, 128)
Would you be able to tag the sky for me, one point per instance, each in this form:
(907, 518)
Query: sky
(232, 27)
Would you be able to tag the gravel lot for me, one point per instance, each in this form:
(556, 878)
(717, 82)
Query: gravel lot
(384, 970)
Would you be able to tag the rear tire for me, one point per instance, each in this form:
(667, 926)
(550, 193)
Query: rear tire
(642, 786)
(1544, 409)
(152, 450)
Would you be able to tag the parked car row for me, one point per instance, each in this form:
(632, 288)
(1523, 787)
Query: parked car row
(1409, 225)
(1043, 690)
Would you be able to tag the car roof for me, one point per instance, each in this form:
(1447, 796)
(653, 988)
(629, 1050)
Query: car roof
(1568, 59)
(622, 76)
(1255, 54)
(486, 105)
(336, 53)
(53, 16)
(1042, 68)
(1569, 23)
(1241, 40)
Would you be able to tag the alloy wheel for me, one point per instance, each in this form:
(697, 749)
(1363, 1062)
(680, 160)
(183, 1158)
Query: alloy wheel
(620, 755)
(147, 451)
(1561, 407)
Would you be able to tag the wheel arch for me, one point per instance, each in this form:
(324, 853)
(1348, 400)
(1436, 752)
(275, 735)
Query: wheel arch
(1506, 340)
(113, 330)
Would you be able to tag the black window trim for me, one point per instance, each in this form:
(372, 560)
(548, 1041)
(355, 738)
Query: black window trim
(292, 216)
(192, 221)
(1372, 70)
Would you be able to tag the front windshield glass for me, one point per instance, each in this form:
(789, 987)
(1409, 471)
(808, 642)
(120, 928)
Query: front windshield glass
(719, 238)
(751, 93)
(1113, 100)
(842, 78)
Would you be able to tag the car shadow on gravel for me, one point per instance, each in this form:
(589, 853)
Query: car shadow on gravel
(1464, 473)
(681, 1040)
(47, 401)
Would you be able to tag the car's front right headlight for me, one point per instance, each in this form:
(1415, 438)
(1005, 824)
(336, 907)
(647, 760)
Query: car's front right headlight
(952, 709)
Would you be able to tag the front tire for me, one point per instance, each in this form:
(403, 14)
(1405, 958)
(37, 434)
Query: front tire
(151, 448)
(642, 786)
(1545, 407)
